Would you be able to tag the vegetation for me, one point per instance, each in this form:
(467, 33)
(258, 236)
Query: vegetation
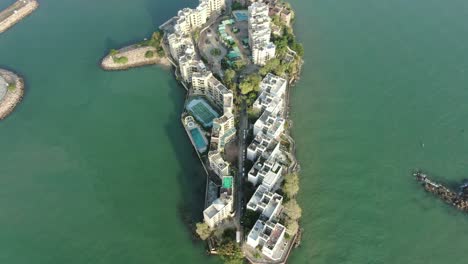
(11, 87)
(292, 226)
(292, 210)
(250, 84)
(291, 185)
(203, 231)
(149, 54)
(215, 52)
(237, 6)
(249, 218)
(229, 76)
(113, 52)
(120, 60)
(155, 41)
(253, 114)
(231, 253)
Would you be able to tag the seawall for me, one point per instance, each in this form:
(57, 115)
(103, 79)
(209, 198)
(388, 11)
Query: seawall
(15, 13)
(12, 97)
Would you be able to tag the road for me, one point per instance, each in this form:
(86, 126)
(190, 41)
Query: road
(239, 198)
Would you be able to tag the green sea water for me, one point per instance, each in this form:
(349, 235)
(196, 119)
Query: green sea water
(96, 168)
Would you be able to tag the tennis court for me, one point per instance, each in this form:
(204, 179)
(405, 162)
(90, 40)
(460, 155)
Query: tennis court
(202, 112)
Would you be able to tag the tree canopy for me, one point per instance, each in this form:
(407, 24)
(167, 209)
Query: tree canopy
(203, 231)
(250, 83)
(230, 253)
(293, 210)
(291, 184)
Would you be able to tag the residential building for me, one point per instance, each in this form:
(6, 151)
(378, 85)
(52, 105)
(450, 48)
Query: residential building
(271, 125)
(223, 131)
(272, 92)
(270, 237)
(267, 172)
(204, 83)
(189, 64)
(260, 33)
(262, 146)
(218, 164)
(179, 44)
(222, 207)
(265, 202)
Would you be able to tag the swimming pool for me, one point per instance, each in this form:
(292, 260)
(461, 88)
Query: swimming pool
(240, 15)
(199, 140)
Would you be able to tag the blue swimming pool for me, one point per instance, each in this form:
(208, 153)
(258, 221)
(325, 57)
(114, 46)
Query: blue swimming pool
(240, 15)
(199, 139)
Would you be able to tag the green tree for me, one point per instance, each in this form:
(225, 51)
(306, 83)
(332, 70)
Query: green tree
(292, 226)
(113, 52)
(229, 76)
(149, 54)
(203, 231)
(270, 66)
(293, 210)
(230, 253)
(250, 83)
(249, 218)
(291, 184)
(120, 60)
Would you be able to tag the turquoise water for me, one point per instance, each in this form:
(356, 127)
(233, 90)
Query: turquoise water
(96, 167)
(198, 138)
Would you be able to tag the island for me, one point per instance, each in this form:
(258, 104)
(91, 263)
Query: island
(16, 12)
(11, 92)
(238, 61)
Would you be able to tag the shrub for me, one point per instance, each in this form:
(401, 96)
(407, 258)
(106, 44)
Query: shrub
(149, 54)
(120, 60)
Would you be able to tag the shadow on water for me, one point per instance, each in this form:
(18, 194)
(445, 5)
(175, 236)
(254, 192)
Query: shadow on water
(161, 13)
(192, 178)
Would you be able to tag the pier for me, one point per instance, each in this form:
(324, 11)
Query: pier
(16, 12)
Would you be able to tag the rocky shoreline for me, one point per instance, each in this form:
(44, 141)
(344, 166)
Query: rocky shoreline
(136, 58)
(12, 97)
(11, 15)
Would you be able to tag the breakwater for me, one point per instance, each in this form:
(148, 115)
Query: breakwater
(16, 12)
(13, 95)
(135, 57)
(458, 200)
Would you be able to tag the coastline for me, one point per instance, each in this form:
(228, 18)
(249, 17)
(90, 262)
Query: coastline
(12, 16)
(136, 58)
(13, 97)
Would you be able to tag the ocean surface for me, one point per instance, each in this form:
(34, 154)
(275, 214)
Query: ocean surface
(95, 166)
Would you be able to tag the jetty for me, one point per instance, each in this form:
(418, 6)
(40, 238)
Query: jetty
(16, 12)
(132, 56)
(11, 92)
(458, 200)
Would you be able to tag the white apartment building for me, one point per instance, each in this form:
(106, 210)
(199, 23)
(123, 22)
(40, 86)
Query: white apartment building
(218, 164)
(267, 172)
(270, 125)
(270, 236)
(260, 33)
(204, 83)
(265, 202)
(262, 146)
(189, 19)
(223, 131)
(189, 64)
(222, 207)
(272, 91)
(179, 44)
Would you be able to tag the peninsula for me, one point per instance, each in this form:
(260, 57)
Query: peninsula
(16, 12)
(11, 92)
(238, 61)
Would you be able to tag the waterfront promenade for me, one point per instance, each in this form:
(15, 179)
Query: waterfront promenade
(16, 12)
(14, 92)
